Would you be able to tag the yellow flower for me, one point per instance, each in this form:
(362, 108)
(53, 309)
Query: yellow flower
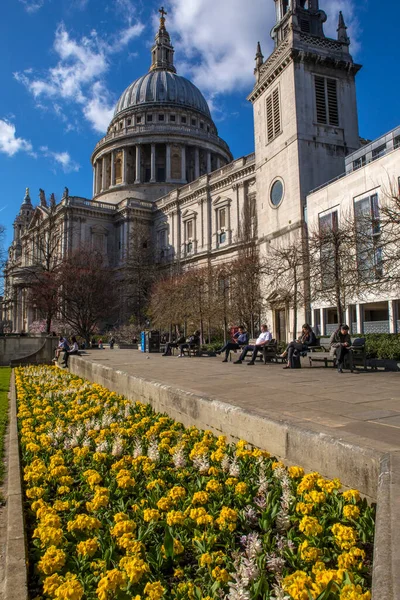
(304, 509)
(205, 559)
(345, 537)
(310, 526)
(51, 584)
(220, 574)
(352, 559)
(354, 592)
(135, 567)
(351, 495)
(164, 503)
(69, 590)
(231, 481)
(88, 547)
(309, 553)
(151, 514)
(315, 497)
(200, 498)
(296, 472)
(277, 465)
(214, 486)
(241, 488)
(154, 591)
(351, 512)
(298, 584)
(123, 527)
(111, 582)
(177, 493)
(52, 561)
(175, 517)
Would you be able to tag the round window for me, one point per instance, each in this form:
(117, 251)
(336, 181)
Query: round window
(276, 194)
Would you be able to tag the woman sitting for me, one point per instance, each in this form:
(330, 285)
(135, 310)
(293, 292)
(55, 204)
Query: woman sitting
(306, 340)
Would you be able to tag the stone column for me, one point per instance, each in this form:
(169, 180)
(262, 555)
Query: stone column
(124, 166)
(183, 164)
(168, 163)
(322, 320)
(112, 182)
(208, 162)
(218, 162)
(138, 164)
(104, 174)
(360, 318)
(94, 180)
(153, 164)
(392, 316)
(196, 163)
(348, 319)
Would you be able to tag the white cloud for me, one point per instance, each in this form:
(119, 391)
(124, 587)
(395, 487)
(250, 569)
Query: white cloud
(9, 143)
(216, 41)
(99, 109)
(32, 6)
(79, 75)
(62, 158)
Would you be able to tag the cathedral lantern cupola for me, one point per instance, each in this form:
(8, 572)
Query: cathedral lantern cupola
(300, 15)
(162, 52)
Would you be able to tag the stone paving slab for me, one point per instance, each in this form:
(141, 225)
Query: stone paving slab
(366, 405)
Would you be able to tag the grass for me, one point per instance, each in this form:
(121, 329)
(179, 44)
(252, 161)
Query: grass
(5, 373)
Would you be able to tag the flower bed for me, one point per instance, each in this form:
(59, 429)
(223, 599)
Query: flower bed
(125, 503)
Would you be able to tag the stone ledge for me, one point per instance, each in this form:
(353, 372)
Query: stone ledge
(15, 577)
(376, 474)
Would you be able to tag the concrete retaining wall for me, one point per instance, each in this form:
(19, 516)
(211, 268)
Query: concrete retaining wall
(19, 350)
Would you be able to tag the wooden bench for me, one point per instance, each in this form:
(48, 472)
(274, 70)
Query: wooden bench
(268, 353)
(358, 351)
(192, 350)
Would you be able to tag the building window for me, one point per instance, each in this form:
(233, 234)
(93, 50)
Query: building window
(161, 117)
(222, 237)
(189, 248)
(326, 100)
(378, 152)
(183, 119)
(194, 122)
(201, 125)
(396, 142)
(149, 118)
(208, 129)
(305, 26)
(172, 118)
(368, 232)
(222, 218)
(273, 115)
(189, 230)
(359, 162)
(138, 119)
(276, 194)
(128, 122)
(162, 239)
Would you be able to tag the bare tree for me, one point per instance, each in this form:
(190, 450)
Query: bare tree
(139, 273)
(286, 269)
(86, 290)
(44, 259)
(333, 265)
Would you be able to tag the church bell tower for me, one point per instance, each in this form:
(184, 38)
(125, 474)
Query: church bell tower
(305, 113)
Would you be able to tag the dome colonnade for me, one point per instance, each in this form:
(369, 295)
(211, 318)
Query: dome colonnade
(162, 132)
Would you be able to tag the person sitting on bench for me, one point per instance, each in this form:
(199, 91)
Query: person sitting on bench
(340, 343)
(169, 345)
(73, 350)
(263, 339)
(306, 339)
(191, 341)
(239, 339)
(62, 347)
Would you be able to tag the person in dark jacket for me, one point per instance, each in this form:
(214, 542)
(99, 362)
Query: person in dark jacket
(239, 339)
(168, 347)
(191, 341)
(340, 343)
(306, 340)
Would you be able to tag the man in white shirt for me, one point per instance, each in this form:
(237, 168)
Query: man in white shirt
(263, 340)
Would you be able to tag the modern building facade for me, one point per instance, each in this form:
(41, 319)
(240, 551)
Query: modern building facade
(163, 164)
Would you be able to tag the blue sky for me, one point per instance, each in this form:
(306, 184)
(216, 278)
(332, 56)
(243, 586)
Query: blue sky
(64, 63)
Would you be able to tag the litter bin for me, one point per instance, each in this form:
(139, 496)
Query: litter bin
(153, 341)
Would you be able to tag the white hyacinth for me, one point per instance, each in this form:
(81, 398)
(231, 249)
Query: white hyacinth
(225, 462)
(102, 447)
(178, 458)
(118, 447)
(153, 452)
(137, 448)
(201, 463)
(234, 468)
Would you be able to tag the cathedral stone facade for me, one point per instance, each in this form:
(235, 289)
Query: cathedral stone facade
(162, 163)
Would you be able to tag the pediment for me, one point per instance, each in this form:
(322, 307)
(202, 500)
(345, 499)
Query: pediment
(189, 214)
(221, 201)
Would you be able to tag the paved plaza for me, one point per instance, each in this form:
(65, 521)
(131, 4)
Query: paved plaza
(362, 408)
